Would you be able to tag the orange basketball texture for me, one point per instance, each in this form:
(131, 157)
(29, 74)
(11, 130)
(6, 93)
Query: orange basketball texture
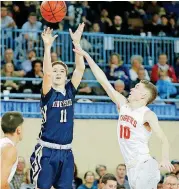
(53, 11)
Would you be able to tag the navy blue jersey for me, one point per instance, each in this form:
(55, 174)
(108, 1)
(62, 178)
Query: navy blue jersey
(58, 115)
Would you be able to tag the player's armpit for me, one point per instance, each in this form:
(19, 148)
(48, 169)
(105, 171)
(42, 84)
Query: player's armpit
(47, 83)
(8, 158)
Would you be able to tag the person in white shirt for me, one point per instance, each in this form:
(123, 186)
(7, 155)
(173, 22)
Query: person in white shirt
(135, 125)
(11, 125)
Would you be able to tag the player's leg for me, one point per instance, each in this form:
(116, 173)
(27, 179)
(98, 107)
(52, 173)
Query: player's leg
(42, 172)
(148, 176)
(64, 177)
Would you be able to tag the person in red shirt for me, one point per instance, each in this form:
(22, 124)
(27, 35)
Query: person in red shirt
(163, 66)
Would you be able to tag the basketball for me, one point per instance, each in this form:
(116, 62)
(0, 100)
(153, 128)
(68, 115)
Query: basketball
(53, 11)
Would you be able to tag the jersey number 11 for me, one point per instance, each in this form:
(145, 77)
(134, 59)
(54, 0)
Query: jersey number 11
(63, 118)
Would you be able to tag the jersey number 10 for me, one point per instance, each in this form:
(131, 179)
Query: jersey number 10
(125, 132)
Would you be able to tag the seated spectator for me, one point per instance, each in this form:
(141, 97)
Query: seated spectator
(175, 163)
(153, 27)
(27, 64)
(54, 57)
(34, 86)
(6, 21)
(164, 28)
(141, 76)
(8, 57)
(89, 181)
(165, 87)
(30, 29)
(76, 181)
(19, 175)
(119, 87)
(136, 62)
(109, 181)
(174, 29)
(118, 26)
(105, 22)
(162, 65)
(120, 176)
(176, 68)
(27, 182)
(170, 181)
(95, 28)
(101, 170)
(151, 8)
(116, 70)
(160, 185)
(8, 71)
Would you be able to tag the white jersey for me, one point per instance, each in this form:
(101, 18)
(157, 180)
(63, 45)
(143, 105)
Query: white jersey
(132, 135)
(3, 142)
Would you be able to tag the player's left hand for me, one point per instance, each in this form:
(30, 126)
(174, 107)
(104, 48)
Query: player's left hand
(166, 165)
(76, 36)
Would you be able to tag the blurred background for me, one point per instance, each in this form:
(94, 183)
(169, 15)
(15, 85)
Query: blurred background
(130, 41)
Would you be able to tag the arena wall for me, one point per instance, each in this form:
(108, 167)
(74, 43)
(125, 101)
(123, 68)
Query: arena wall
(95, 142)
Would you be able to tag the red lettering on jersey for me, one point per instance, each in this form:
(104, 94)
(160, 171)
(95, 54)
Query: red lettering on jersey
(128, 119)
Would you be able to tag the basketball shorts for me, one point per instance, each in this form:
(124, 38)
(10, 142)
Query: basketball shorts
(145, 175)
(52, 167)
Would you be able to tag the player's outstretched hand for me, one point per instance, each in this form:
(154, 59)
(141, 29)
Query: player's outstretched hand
(47, 37)
(76, 36)
(166, 165)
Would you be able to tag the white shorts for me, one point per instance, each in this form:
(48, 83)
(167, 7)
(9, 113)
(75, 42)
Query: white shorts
(144, 175)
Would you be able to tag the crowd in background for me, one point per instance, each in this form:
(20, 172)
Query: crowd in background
(91, 180)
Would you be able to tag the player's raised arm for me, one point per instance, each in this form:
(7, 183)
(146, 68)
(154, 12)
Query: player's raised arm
(47, 64)
(152, 119)
(8, 158)
(79, 60)
(116, 97)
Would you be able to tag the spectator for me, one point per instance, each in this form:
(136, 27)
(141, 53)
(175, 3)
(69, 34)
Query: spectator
(136, 61)
(177, 68)
(160, 185)
(26, 181)
(154, 26)
(34, 86)
(19, 175)
(8, 57)
(27, 64)
(30, 29)
(118, 26)
(164, 28)
(137, 11)
(19, 13)
(6, 21)
(8, 71)
(54, 57)
(141, 76)
(105, 22)
(101, 170)
(119, 87)
(95, 28)
(120, 176)
(174, 29)
(175, 163)
(162, 65)
(89, 181)
(165, 87)
(109, 181)
(151, 8)
(116, 70)
(170, 182)
(76, 181)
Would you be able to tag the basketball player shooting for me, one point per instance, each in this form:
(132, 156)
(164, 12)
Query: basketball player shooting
(52, 162)
(135, 126)
(11, 125)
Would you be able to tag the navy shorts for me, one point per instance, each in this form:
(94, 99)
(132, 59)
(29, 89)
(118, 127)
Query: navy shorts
(52, 167)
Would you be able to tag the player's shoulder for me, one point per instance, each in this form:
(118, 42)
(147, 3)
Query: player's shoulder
(149, 114)
(9, 151)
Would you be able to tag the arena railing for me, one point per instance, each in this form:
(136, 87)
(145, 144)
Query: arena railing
(100, 46)
(92, 97)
